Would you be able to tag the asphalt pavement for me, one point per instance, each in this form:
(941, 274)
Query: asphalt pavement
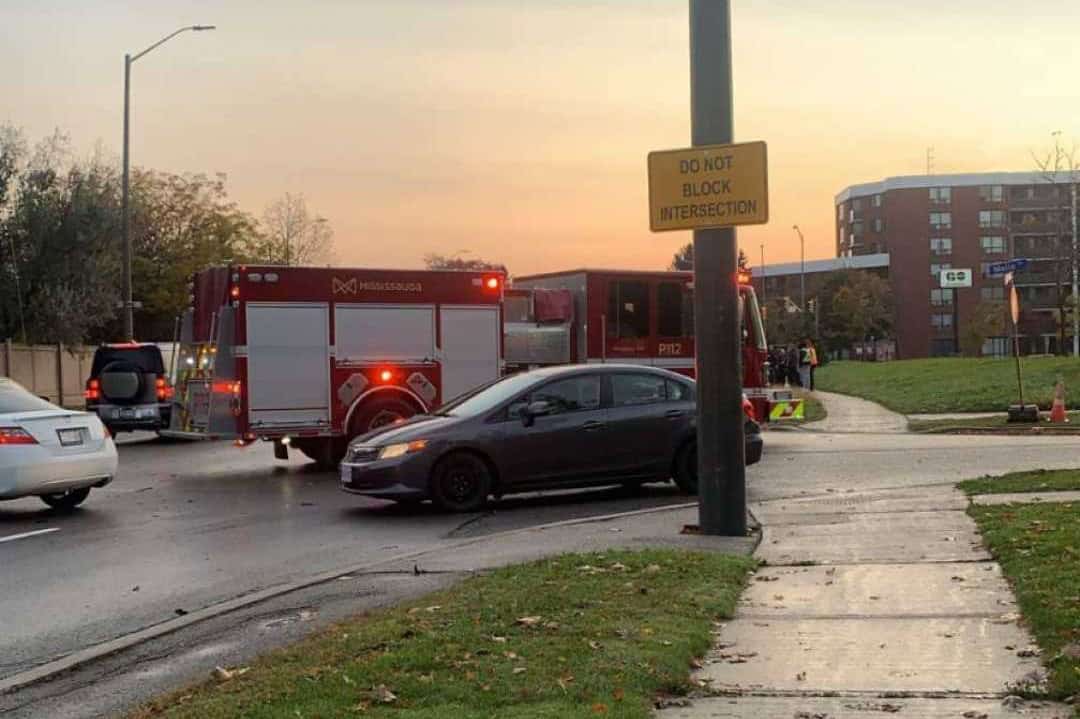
(186, 527)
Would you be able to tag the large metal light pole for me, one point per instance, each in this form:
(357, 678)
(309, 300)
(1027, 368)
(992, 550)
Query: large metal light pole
(125, 292)
(802, 268)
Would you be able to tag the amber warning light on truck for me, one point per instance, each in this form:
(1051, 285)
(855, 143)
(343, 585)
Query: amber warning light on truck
(708, 186)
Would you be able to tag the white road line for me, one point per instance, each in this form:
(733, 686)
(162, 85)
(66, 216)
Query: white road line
(24, 535)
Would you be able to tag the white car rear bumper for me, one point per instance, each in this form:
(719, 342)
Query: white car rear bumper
(35, 470)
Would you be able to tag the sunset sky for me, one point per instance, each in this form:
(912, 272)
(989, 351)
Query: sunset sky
(518, 129)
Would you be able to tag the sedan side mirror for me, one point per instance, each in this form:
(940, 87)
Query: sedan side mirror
(534, 410)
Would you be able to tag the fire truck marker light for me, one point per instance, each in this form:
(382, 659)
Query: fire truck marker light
(493, 283)
(235, 292)
(386, 375)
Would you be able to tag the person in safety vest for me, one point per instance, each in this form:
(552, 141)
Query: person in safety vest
(804, 364)
(813, 360)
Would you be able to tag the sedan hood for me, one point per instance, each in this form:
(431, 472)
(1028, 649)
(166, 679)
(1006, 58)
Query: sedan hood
(417, 427)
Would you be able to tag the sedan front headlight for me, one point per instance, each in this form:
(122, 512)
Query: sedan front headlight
(391, 451)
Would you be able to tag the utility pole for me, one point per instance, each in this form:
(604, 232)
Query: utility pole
(720, 451)
(802, 268)
(126, 300)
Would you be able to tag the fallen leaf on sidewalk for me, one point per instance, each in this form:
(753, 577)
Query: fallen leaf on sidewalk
(972, 714)
(800, 677)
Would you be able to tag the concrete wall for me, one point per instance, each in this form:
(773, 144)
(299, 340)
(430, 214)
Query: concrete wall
(44, 369)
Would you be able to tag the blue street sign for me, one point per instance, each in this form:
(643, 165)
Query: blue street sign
(1001, 268)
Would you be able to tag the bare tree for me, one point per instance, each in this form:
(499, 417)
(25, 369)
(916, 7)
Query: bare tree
(434, 261)
(1060, 168)
(293, 235)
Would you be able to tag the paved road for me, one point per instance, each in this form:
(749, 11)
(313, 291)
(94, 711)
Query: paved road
(185, 526)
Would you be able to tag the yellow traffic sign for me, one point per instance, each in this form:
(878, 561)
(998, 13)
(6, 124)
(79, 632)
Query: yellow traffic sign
(708, 186)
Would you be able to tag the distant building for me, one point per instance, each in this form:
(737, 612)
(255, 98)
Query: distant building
(928, 223)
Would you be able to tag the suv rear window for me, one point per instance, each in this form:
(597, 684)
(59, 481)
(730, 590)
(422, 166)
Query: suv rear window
(14, 398)
(147, 358)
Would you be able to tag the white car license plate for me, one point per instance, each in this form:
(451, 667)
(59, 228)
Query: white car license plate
(71, 437)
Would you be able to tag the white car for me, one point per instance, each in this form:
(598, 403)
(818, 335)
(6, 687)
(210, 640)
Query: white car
(50, 452)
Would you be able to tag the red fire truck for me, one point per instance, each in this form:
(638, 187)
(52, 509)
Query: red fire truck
(311, 357)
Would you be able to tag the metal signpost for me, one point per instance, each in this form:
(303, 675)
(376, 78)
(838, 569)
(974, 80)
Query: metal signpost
(710, 189)
(954, 280)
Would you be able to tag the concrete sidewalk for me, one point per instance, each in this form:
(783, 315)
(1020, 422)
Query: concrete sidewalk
(851, 414)
(872, 603)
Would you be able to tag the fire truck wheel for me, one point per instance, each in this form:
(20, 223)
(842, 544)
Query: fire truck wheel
(381, 412)
(686, 468)
(461, 482)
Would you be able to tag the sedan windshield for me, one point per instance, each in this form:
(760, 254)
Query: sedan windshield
(489, 397)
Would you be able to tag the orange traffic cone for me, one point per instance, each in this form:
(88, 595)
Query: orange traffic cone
(1057, 412)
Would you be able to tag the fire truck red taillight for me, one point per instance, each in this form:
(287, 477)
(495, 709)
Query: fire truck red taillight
(492, 283)
(234, 293)
(386, 375)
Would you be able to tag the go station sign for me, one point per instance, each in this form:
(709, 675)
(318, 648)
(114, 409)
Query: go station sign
(708, 186)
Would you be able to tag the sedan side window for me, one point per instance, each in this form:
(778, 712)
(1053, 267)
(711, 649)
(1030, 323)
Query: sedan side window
(628, 390)
(577, 394)
(679, 392)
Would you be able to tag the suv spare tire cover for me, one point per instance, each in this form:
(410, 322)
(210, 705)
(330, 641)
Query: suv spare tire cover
(121, 381)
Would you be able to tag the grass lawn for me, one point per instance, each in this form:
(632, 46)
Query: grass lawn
(582, 635)
(1039, 480)
(1038, 546)
(951, 384)
(947, 426)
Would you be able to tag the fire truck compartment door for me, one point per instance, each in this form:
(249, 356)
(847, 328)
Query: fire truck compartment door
(470, 348)
(288, 364)
(381, 333)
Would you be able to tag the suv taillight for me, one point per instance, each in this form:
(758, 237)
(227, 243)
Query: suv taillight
(93, 390)
(15, 435)
(164, 389)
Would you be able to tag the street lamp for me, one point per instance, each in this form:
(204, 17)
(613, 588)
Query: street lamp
(125, 293)
(802, 268)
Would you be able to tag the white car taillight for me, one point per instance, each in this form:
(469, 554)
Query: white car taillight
(15, 435)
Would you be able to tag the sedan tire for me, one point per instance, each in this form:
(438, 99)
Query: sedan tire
(461, 482)
(66, 501)
(686, 468)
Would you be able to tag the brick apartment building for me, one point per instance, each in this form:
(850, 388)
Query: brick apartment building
(934, 222)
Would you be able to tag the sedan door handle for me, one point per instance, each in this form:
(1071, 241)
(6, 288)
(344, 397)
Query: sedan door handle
(673, 413)
(592, 425)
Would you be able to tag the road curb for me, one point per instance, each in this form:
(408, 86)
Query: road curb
(76, 659)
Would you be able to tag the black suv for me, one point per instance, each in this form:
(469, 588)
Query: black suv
(128, 387)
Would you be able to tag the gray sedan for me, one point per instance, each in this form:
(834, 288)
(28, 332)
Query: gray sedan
(554, 428)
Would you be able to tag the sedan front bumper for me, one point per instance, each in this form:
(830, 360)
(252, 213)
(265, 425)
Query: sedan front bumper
(398, 478)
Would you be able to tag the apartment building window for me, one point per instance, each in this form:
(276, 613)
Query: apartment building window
(941, 245)
(857, 228)
(935, 269)
(941, 195)
(856, 204)
(991, 218)
(879, 224)
(877, 200)
(940, 298)
(942, 347)
(993, 245)
(1036, 246)
(941, 220)
(992, 294)
(840, 213)
(941, 321)
(991, 193)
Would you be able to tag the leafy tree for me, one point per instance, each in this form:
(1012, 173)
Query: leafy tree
(854, 306)
(292, 235)
(683, 260)
(435, 261)
(181, 224)
(59, 220)
(987, 320)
